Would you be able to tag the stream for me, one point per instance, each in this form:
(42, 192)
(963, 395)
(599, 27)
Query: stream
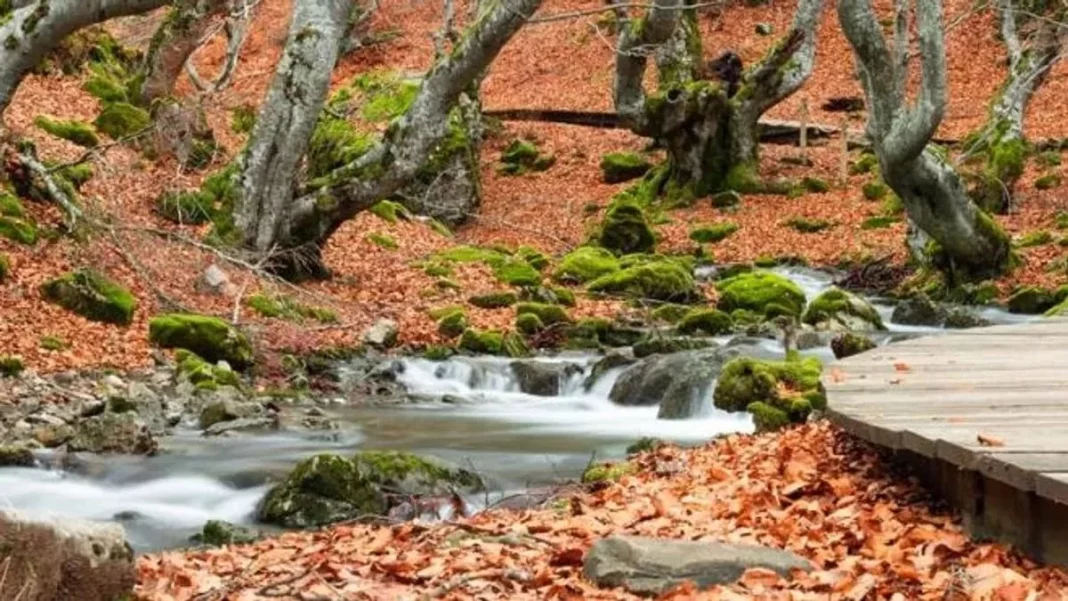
(466, 410)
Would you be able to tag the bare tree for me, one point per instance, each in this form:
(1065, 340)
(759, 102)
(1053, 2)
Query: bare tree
(707, 121)
(180, 34)
(277, 215)
(966, 241)
(1033, 33)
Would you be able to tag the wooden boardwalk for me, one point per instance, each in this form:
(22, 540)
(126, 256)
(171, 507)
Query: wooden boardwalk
(982, 414)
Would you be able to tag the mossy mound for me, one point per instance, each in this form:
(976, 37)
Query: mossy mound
(288, 308)
(806, 225)
(209, 337)
(669, 313)
(91, 295)
(775, 392)
(122, 119)
(537, 259)
(516, 272)
(658, 279)
(18, 230)
(452, 324)
(585, 264)
(1048, 181)
(5, 267)
(848, 344)
(625, 230)
(77, 132)
(494, 300)
(712, 322)
(1031, 300)
(595, 332)
(659, 344)
(879, 222)
(548, 314)
(522, 156)
(489, 342)
(10, 366)
(1035, 238)
(608, 472)
(837, 309)
(185, 207)
(217, 533)
(550, 295)
(528, 324)
(762, 292)
(202, 374)
(618, 167)
(875, 190)
(330, 488)
(389, 211)
(713, 233)
(507, 267)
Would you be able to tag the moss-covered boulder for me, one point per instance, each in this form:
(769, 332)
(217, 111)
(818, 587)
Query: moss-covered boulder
(10, 366)
(585, 264)
(669, 313)
(762, 292)
(1031, 300)
(618, 167)
(452, 324)
(18, 230)
(713, 232)
(91, 295)
(838, 310)
(625, 230)
(202, 374)
(121, 119)
(217, 533)
(712, 322)
(16, 456)
(656, 343)
(493, 342)
(209, 337)
(608, 472)
(330, 488)
(550, 295)
(547, 314)
(516, 272)
(522, 156)
(660, 279)
(848, 344)
(919, 310)
(528, 324)
(77, 132)
(775, 392)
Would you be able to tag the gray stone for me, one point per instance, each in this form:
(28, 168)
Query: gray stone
(16, 456)
(214, 281)
(93, 407)
(45, 419)
(241, 424)
(918, 310)
(122, 433)
(613, 359)
(383, 334)
(64, 559)
(649, 566)
(958, 318)
(113, 381)
(542, 378)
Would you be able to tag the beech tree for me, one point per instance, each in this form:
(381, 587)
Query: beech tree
(708, 125)
(963, 239)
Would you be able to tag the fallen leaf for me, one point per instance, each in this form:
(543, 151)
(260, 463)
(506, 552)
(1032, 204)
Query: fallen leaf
(989, 440)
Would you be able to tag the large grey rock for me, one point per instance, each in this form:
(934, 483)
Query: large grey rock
(649, 566)
(215, 281)
(680, 382)
(64, 560)
(918, 310)
(113, 433)
(383, 334)
(242, 424)
(613, 359)
(542, 378)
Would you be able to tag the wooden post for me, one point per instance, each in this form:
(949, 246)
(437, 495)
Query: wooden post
(843, 173)
(804, 130)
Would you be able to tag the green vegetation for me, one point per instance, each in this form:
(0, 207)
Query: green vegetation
(10, 366)
(489, 342)
(77, 132)
(761, 292)
(848, 344)
(875, 190)
(1048, 181)
(210, 337)
(91, 295)
(867, 163)
(1031, 300)
(712, 322)
(18, 230)
(187, 207)
(658, 279)
(383, 241)
(625, 230)
(508, 269)
(5, 267)
(243, 119)
(53, 343)
(206, 376)
(528, 324)
(288, 308)
(618, 167)
(776, 393)
(390, 211)
(670, 313)
(815, 184)
(585, 264)
(547, 314)
(608, 472)
(453, 323)
(841, 308)
(494, 300)
(522, 156)
(807, 225)
(121, 119)
(879, 222)
(714, 232)
(1036, 238)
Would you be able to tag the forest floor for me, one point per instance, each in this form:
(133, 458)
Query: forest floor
(866, 529)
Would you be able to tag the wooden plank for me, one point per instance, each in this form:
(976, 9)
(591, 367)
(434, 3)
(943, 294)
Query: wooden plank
(1020, 470)
(1053, 486)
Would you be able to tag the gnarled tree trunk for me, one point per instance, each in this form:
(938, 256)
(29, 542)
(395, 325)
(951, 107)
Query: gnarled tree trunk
(708, 123)
(969, 244)
(276, 215)
(181, 32)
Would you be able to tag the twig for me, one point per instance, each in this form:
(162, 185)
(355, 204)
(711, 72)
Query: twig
(577, 14)
(100, 150)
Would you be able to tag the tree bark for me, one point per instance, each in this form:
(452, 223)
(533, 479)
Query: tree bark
(180, 34)
(709, 126)
(967, 242)
(36, 28)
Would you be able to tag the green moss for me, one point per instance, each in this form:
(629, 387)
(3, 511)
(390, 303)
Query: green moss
(1036, 238)
(121, 119)
(848, 344)
(528, 324)
(387, 96)
(1030, 300)
(494, 300)
(585, 264)
(767, 418)
(390, 211)
(216, 533)
(806, 225)
(535, 257)
(726, 200)
(661, 279)
(867, 163)
(10, 366)
(892, 205)
(52, 343)
(608, 472)
(514, 345)
(437, 352)
(78, 132)
(516, 272)
(243, 119)
(11, 206)
(879, 222)
(670, 313)
(470, 254)
(209, 337)
(520, 152)
(835, 304)
(5, 267)
(452, 324)
(792, 386)
(712, 322)
(562, 296)
(548, 314)
(285, 307)
(18, 230)
(1049, 158)
(815, 184)
(91, 295)
(714, 232)
(1048, 181)
(617, 167)
(187, 207)
(875, 190)
(333, 144)
(205, 376)
(77, 175)
(625, 229)
(488, 342)
(762, 292)
(383, 241)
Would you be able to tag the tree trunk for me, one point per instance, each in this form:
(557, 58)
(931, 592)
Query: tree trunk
(180, 34)
(33, 30)
(706, 115)
(967, 242)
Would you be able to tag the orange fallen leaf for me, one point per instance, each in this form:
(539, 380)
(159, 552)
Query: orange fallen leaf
(902, 367)
(989, 440)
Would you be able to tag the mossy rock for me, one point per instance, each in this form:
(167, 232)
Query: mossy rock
(625, 230)
(77, 132)
(537, 259)
(791, 387)
(726, 200)
(18, 230)
(836, 309)
(670, 313)
(5, 268)
(712, 322)
(608, 472)
(217, 533)
(384, 241)
(875, 190)
(91, 295)
(550, 295)
(489, 342)
(618, 167)
(806, 225)
(646, 444)
(879, 222)
(548, 314)
(713, 233)
(389, 211)
(867, 163)
(528, 324)
(209, 337)
(1036, 238)
(659, 344)
(10, 366)
(16, 456)
(659, 279)
(204, 375)
(514, 345)
(815, 184)
(593, 332)
(437, 352)
(848, 344)
(10, 205)
(1031, 300)
(122, 119)
(585, 264)
(452, 324)
(516, 272)
(288, 308)
(494, 300)
(1048, 182)
(762, 292)
(330, 488)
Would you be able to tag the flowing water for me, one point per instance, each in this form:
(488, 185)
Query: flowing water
(467, 410)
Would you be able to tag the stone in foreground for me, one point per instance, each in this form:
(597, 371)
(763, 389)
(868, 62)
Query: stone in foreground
(63, 560)
(650, 566)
